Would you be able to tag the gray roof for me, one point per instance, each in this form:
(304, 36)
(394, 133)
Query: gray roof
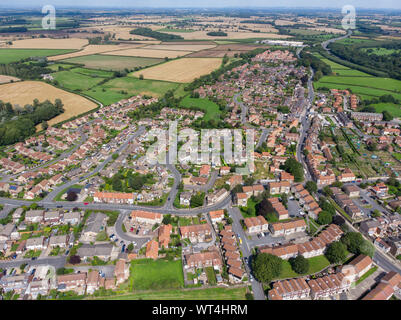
(95, 222)
(7, 230)
(88, 250)
(34, 213)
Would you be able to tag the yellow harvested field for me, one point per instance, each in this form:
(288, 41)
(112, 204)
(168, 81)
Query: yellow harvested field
(200, 35)
(46, 43)
(7, 79)
(149, 53)
(94, 49)
(181, 70)
(181, 47)
(25, 92)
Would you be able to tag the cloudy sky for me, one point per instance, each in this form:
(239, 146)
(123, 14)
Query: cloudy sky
(391, 4)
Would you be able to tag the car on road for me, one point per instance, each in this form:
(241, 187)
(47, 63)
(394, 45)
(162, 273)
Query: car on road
(251, 277)
(301, 212)
(59, 206)
(131, 229)
(86, 203)
(123, 248)
(34, 258)
(67, 252)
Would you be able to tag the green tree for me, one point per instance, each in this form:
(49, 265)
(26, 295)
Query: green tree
(266, 267)
(295, 168)
(311, 186)
(336, 252)
(299, 264)
(324, 218)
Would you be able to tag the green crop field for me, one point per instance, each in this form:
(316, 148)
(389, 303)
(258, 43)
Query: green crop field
(211, 109)
(55, 66)
(73, 81)
(194, 294)
(126, 87)
(148, 274)
(115, 63)
(13, 55)
(93, 73)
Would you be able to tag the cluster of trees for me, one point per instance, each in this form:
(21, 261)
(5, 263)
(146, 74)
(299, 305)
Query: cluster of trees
(147, 32)
(28, 71)
(391, 63)
(22, 122)
(197, 200)
(217, 34)
(128, 182)
(351, 242)
(266, 267)
(295, 168)
(321, 68)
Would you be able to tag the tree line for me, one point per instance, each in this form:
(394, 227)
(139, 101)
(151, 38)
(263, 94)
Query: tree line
(147, 32)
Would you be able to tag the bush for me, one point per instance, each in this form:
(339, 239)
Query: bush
(299, 264)
(324, 218)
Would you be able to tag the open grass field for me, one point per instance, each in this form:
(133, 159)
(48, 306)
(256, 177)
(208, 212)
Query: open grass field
(211, 109)
(76, 81)
(150, 53)
(54, 67)
(46, 43)
(194, 294)
(225, 49)
(25, 92)
(93, 72)
(181, 47)
(126, 87)
(147, 274)
(7, 79)
(394, 109)
(94, 49)
(109, 62)
(316, 264)
(13, 55)
(181, 70)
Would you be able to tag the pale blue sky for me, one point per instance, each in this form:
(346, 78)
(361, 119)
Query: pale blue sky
(390, 4)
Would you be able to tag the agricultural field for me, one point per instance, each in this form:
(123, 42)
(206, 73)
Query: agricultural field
(150, 53)
(7, 79)
(181, 47)
(147, 274)
(13, 55)
(41, 43)
(167, 29)
(74, 80)
(361, 84)
(225, 49)
(193, 294)
(109, 62)
(94, 49)
(55, 66)
(211, 109)
(126, 87)
(202, 35)
(181, 70)
(25, 92)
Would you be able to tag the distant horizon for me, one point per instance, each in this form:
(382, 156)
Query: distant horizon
(206, 4)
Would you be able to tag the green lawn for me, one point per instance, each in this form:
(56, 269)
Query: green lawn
(394, 109)
(367, 274)
(380, 51)
(316, 264)
(115, 63)
(211, 109)
(194, 294)
(126, 87)
(13, 55)
(211, 276)
(147, 274)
